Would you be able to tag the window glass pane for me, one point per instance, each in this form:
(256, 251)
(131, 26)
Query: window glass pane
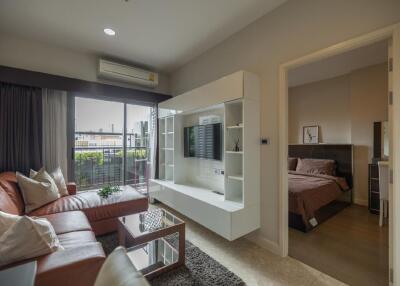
(137, 144)
(98, 158)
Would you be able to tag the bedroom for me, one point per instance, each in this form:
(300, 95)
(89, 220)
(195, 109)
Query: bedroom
(338, 111)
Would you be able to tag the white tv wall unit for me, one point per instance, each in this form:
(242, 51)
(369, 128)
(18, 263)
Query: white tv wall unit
(237, 211)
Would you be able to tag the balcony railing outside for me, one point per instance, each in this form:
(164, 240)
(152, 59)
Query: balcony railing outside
(96, 166)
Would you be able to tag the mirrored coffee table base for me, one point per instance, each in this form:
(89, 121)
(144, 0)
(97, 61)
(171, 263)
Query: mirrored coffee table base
(155, 241)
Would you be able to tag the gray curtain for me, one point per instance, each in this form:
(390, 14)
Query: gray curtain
(20, 128)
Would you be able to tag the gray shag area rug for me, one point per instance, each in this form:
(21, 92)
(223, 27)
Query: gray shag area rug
(199, 269)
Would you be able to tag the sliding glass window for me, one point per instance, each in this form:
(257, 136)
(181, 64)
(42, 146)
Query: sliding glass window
(112, 143)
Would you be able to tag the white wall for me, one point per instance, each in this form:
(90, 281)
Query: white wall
(294, 29)
(36, 56)
(345, 108)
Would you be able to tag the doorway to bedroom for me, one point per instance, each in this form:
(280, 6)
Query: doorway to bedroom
(337, 160)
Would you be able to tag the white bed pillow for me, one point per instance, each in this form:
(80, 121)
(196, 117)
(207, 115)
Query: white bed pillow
(28, 238)
(37, 191)
(58, 178)
(6, 221)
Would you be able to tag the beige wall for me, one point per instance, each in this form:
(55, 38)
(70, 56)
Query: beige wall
(36, 56)
(369, 90)
(345, 108)
(324, 103)
(294, 29)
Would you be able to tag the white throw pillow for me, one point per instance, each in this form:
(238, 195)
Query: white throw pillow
(58, 178)
(28, 238)
(6, 221)
(38, 191)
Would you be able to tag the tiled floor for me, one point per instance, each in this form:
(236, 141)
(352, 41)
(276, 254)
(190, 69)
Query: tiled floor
(255, 265)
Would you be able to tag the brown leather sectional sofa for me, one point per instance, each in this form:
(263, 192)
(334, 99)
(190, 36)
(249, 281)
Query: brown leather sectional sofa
(76, 219)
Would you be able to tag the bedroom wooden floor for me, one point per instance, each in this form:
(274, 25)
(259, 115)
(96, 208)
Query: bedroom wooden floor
(350, 247)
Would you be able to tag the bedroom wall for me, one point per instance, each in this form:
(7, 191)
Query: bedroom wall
(345, 108)
(369, 91)
(42, 57)
(296, 28)
(324, 103)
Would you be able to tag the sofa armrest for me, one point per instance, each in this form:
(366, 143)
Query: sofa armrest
(71, 188)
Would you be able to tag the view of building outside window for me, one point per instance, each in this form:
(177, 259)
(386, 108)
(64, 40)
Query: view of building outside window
(99, 150)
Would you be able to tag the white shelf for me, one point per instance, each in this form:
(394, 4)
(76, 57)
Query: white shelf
(170, 132)
(170, 165)
(168, 149)
(235, 127)
(234, 152)
(236, 177)
(202, 194)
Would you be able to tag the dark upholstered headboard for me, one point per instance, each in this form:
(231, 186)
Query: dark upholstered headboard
(341, 153)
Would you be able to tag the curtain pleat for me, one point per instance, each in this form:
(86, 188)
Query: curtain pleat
(55, 130)
(20, 128)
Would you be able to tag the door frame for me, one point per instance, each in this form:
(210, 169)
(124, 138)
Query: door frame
(390, 32)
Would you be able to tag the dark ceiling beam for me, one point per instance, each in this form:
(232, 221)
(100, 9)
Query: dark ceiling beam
(78, 86)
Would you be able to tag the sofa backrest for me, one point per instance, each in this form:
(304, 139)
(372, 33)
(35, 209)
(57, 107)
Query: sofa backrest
(10, 196)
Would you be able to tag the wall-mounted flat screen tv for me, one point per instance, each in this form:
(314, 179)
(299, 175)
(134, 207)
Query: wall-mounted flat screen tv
(203, 141)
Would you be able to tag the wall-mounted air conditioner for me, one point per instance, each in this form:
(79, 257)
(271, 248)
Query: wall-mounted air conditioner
(120, 72)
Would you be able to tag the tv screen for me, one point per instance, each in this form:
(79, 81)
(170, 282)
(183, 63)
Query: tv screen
(203, 141)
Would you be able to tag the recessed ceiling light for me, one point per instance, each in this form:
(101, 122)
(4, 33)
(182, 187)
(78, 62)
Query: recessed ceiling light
(109, 32)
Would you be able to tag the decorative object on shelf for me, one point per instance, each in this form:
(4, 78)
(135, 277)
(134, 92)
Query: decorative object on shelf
(240, 124)
(151, 220)
(107, 191)
(236, 148)
(310, 134)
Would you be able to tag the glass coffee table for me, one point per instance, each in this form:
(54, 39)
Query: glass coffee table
(155, 241)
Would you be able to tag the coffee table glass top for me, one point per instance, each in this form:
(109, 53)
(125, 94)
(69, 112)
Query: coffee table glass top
(148, 222)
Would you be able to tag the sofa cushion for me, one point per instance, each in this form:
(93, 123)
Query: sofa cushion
(8, 182)
(6, 221)
(118, 270)
(95, 207)
(76, 239)
(27, 238)
(77, 266)
(37, 191)
(68, 221)
(57, 177)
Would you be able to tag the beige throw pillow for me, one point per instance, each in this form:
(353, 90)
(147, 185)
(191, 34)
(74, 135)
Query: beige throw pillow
(28, 238)
(6, 221)
(58, 178)
(37, 191)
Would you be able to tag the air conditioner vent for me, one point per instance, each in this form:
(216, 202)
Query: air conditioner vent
(120, 72)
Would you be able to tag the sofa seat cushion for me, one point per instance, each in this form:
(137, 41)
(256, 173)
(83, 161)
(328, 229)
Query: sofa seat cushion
(68, 222)
(95, 207)
(76, 239)
(74, 266)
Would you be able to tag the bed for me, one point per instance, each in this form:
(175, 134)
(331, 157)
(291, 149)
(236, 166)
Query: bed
(320, 183)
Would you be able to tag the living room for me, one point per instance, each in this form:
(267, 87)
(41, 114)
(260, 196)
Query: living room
(143, 145)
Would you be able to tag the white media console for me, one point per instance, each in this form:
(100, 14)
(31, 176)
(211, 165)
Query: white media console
(223, 196)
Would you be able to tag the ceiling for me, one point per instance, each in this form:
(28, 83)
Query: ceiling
(340, 65)
(159, 34)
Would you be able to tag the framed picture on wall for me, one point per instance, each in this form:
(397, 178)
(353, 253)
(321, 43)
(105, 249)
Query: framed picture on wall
(310, 134)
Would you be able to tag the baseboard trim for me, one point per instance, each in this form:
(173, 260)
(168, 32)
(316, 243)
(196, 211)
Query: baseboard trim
(265, 243)
(361, 202)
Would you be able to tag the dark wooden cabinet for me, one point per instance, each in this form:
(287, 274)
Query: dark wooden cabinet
(373, 188)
